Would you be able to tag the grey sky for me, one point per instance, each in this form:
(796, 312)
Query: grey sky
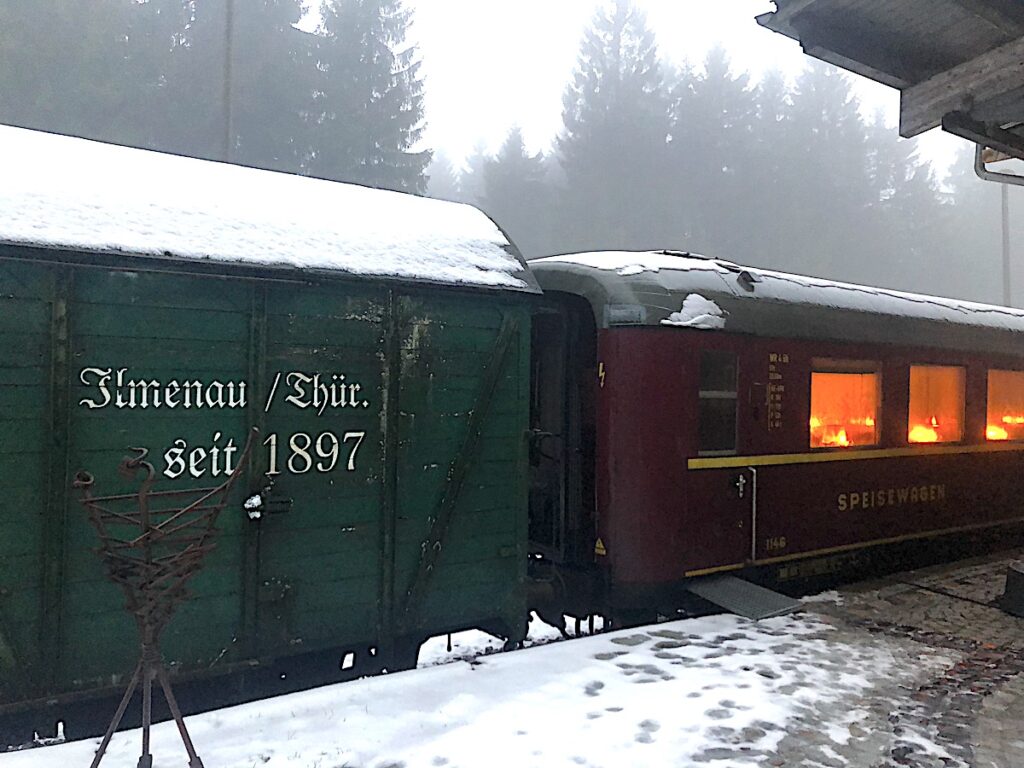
(491, 64)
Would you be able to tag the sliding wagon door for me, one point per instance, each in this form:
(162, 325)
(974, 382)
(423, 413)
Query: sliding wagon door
(460, 534)
(319, 531)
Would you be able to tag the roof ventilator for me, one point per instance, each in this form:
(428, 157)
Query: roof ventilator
(744, 277)
(747, 279)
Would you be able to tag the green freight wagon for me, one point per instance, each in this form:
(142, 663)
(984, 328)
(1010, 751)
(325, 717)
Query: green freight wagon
(378, 341)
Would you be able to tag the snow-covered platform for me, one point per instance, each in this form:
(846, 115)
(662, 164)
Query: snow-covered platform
(913, 670)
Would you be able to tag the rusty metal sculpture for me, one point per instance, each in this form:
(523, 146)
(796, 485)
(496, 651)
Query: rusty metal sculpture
(152, 543)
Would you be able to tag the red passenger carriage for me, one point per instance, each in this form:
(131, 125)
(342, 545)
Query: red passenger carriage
(692, 416)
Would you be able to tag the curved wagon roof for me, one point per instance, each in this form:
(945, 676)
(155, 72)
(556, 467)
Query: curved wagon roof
(650, 288)
(73, 195)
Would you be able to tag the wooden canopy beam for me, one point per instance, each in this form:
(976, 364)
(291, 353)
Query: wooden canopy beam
(974, 83)
(1005, 15)
(863, 47)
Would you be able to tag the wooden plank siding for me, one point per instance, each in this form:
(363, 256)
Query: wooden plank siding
(327, 564)
(25, 335)
(123, 320)
(445, 349)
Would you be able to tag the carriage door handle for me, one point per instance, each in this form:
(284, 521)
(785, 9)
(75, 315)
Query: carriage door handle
(741, 484)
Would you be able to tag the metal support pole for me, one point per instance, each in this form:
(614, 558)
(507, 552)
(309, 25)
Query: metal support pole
(193, 759)
(229, 128)
(1007, 297)
(102, 750)
(753, 514)
(146, 758)
(1005, 179)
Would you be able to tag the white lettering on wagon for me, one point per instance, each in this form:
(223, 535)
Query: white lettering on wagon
(319, 393)
(297, 453)
(217, 459)
(116, 388)
(892, 497)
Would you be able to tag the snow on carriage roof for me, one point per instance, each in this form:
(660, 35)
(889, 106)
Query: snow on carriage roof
(765, 302)
(68, 193)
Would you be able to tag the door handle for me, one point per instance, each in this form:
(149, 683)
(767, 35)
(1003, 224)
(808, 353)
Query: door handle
(740, 484)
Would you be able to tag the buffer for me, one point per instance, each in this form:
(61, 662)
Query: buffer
(742, 597)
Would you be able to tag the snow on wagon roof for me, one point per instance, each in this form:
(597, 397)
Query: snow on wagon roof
(628, 287)
(73, 194)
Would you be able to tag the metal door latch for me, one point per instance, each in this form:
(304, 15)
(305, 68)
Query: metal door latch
(741, 483)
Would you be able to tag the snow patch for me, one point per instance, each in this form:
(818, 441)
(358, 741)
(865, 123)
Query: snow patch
(697, 312)
(471, 643)
(717, 690)
(829, 596)
(840, 732)
(254, 507)
(632, 269)
(62, 192)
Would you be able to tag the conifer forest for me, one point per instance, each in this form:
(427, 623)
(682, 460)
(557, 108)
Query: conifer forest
(779, 172)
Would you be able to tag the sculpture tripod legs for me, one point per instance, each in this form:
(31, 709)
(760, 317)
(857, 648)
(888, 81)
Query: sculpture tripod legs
(149, 668)
(151, 550)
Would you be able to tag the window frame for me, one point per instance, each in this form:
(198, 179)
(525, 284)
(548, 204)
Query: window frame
(986, 440)
(964, 437)
(719, 394)
(850, 366)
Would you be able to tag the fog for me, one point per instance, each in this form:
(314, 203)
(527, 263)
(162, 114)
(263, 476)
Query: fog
(712, 150)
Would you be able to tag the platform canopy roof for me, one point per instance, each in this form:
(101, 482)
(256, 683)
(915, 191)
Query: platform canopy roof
(957, 63)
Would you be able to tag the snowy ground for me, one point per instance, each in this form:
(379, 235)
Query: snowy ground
(718, 691)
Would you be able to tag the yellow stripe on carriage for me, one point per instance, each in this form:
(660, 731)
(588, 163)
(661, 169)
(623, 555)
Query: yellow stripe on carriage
(778, 459)
(810, 554)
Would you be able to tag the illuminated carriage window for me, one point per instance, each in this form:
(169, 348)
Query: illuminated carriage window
(936, 404)
(1005, 406)
(716, 427)
(844, 403)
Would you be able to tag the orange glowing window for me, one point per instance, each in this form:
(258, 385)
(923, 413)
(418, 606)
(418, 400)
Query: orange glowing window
(936, 404)
(1005, 406)
(844, 404)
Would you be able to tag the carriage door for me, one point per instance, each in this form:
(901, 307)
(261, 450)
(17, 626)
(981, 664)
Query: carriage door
(561, 432)
(730, 527)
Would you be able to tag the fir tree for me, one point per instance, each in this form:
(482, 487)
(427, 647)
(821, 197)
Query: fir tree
(828, 188)
(64, 67)
(368, 111)
(274, 76)
(516, 194)
(771, 165)
(612, 148)
(712, 149)
(904, 210)
(471, 180)
(174, 107)
(443, 179)
(971, 235)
